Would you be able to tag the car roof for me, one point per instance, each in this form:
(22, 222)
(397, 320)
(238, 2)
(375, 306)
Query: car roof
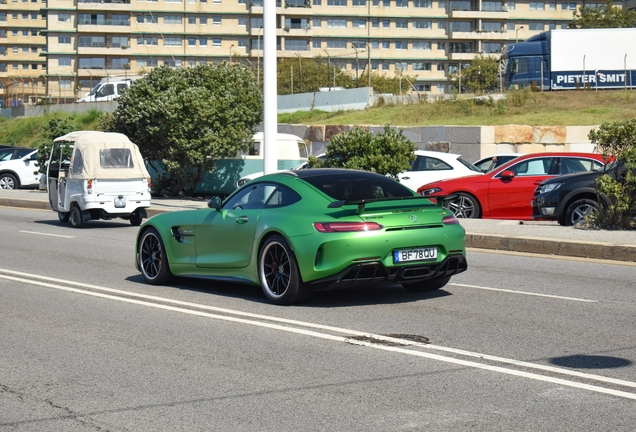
(316, 172)
(596, 156)
(436, 154)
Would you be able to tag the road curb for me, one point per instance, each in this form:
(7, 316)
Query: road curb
(31, 204)
(579, 249)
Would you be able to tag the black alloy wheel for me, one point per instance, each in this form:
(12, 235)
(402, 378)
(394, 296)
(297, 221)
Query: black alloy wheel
(464, 206)
(278, 272)
(153, 261)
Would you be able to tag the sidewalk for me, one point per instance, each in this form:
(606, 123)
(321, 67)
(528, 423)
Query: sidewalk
(509, 235)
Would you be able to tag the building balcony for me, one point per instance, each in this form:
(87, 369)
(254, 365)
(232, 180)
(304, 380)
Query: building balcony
(479, 35)
(103, 50)
(103, 28)
(102, 73)
(462, 56)
(287, 31)
(108, 5)
(475, 14)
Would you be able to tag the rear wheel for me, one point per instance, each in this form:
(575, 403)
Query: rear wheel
(464, 206)
(63, 216)
(427, 285)
(579, 210)
(8, 181)
(135, 218)
(76, 218)
(152, 257)
(278, 272)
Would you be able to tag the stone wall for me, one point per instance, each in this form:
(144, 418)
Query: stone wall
(472, 142)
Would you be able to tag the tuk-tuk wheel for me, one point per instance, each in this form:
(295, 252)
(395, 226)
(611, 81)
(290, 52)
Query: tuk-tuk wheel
(75, 216)
(135, 218)
(63, 216)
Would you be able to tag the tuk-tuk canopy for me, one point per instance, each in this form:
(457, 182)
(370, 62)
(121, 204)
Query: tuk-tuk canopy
(104, 155)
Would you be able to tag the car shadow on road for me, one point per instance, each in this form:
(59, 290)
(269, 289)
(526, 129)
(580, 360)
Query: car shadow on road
(92, 224)
(333, 298)
(580, 361)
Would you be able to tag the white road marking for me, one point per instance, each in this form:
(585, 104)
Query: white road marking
(523, 292)
(47, 234)
(20, 277)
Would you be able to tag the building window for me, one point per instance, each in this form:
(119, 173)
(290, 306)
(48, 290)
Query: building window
(64, 17)
(552, 6)
(92, 63)
(400, 66)
(441, 25)
(422, 3)
(552, 26)
(216, 21)
(316, 22)
(537, 6)
(203, 42)
(511, 5)
(172, 19)
(359, 3)
(317, 2)
(400, 45)
(119, 63)
(64, 40)
(337, 44)
(536, 26)
(386, 23)
(216, 42)
(64, 61)
(92, 41)
(461, 26)
(491, 26)
(192, 20)
(336, 23)
(419, 24)
(402, 3)
(386, 45)
(316, 44)
(171, 41)
(242, 22)
(421, 45)
(401, 24)
(203, 20)
(148, 40)
(358, 23)
(296, 45)
(65, 83)
(358, 44)
(492, 47)
(192, 42)
(339, 3)
(441, 67)
(492, 6)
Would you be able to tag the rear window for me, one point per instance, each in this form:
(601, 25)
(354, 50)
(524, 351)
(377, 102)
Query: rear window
(363, 186)
(115, 158)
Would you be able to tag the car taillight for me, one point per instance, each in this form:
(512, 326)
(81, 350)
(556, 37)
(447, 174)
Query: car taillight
(149, 184)
(89, 186)
(327, 227)
(450, 220)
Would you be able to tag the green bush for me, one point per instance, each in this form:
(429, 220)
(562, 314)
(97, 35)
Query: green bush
(617, 141)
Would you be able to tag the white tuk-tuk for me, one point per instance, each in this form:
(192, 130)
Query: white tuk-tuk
(97, 175)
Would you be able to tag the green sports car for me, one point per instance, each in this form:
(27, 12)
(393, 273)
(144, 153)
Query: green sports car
(295, 232)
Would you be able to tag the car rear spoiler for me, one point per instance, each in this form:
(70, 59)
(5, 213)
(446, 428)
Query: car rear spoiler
(438, 200)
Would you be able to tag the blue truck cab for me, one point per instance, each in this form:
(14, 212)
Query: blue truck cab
(527, 63)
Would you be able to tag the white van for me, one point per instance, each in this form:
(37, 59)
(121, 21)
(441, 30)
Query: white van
(109, 89)
(291, 151)
(97, 175)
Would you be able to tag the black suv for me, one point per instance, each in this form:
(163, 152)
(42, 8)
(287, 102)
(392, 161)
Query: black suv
(567, 198)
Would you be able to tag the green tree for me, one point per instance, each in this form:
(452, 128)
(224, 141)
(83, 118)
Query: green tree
(617, 141)
(480, 76)
(388, 153)
(186, 119)
(604, 16)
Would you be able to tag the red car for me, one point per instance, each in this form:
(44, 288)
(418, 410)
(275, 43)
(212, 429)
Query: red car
(506, 192)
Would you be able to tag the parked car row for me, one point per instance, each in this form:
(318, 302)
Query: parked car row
(507, 192)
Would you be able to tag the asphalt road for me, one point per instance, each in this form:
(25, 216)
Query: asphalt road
(517, 342)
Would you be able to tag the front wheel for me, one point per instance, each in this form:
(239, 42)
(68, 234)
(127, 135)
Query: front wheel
(153, 261)
(580, 210)
(464, 206)
(76, 218)
(427, 285)
(8, 181)
(278, 272)
(63, 216)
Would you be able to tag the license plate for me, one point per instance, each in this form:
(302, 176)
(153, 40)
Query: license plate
(419, 254)
(120, 202)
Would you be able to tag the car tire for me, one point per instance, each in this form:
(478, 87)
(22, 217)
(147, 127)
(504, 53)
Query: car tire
(464, 205)
(63, 216)
(426, 285)
(8, 181)
(579, 210)
(135, 218)
(75, 217)
(153, 261)
(278, 272)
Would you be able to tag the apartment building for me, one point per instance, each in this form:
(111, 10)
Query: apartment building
(60, 49)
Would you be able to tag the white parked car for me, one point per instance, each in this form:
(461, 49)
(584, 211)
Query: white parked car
(428, 166)
(18, 168)
(489, 163)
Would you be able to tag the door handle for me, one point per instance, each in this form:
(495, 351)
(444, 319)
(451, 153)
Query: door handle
(242, 219)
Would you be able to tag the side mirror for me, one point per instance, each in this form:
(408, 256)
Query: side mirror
(507, 174)
(215, 203)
